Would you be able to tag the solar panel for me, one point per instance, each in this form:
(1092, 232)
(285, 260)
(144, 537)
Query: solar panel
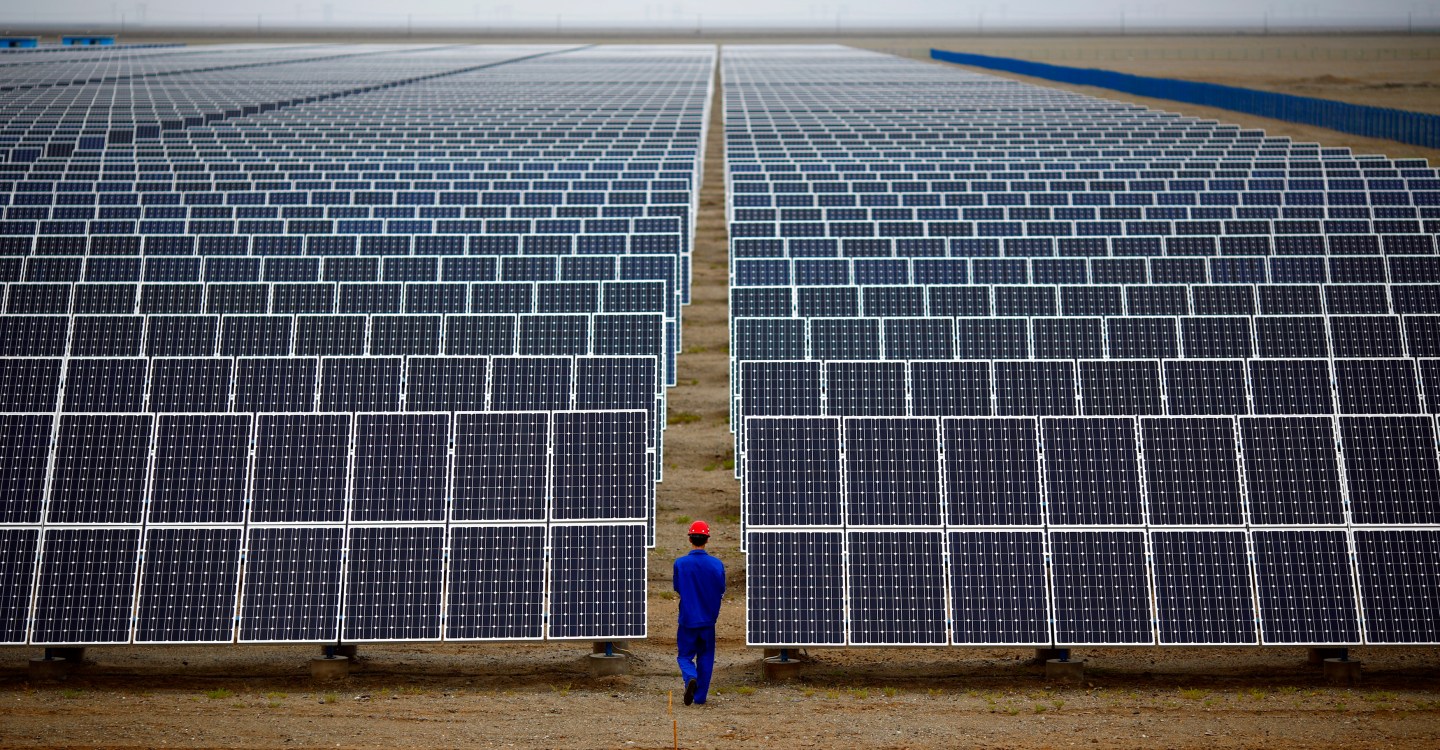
(1101, 588)
(201, 465)
(1203, 588)
(1092, 472)
(597, 581)
(400, 467)
(101, 462)
(1192, 473)
(950, 389)
(892, 472)
(18, 548)
(301, 463)
(792, 473)
(1391, 470)
(999, 589)
(992, 472)
(25, 452)
(1396, 569)
(869, 389)
(85, 587)
(1028, 389)
(1292, 474)
(896, 588)
(795, 588)
(292, 584)
(393, 580)
(1306, 588)
(496, 582)
(189, 579)
(601, 470)
(501, 467)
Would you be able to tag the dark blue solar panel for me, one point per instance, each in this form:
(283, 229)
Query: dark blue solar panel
(393, 583)
(897, 587)
(999, 592)
(992, 470)
(597, 581)
(301, 463)
(1307, 591)
(25, 452)
(1397, 570)
(795, 587)
(1391, 469)
(18, 547)
(86, 587)
(1291, 471)
(1202, 587)
(496, 582)
(292, 584)
(400, 467)
(601, 470)
(101, 462)
(1092, 471)
(892, 472)
(188, 584)
(201, 466)
(1101, 595)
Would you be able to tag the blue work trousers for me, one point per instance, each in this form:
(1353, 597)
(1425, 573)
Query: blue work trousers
(696, 647)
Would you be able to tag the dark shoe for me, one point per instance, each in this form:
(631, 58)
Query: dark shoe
(690, 687)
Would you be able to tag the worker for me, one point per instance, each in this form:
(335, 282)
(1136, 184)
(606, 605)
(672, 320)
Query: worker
(700, 581)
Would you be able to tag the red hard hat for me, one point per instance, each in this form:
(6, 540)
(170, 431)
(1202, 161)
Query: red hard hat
(700, 527)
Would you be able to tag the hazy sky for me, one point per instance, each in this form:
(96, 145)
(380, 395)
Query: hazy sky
(722, 13)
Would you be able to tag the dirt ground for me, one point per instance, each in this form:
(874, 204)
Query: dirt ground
(539, 695)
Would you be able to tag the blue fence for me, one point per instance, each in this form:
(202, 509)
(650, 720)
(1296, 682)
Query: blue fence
(1373, 122)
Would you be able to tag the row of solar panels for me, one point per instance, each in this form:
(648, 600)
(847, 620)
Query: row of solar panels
(322, 584)
(1136, 298)
(1187, 237)
(539, 219)
(307, 384)
(1199, 587)
(1339, 161)
(373, 267)
(256, 298)
(637, 334)
(1051, 183)
(1094, 388)
(1310, 243)
(321, 226)
(1097, 472)
(19, 239)
(327, 193)
(1058, 338)
(499, 466)
(1212, 215)
(870, 273)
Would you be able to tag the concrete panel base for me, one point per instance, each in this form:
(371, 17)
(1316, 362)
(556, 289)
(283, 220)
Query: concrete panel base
(795, 654)
(1065, 671)
(777, 670)
(1043, 655)
(617, 647)
(330, 669)
(1342, 672)
(608, 666)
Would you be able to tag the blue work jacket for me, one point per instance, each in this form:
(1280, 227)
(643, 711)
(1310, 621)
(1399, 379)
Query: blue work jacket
(700, 581)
